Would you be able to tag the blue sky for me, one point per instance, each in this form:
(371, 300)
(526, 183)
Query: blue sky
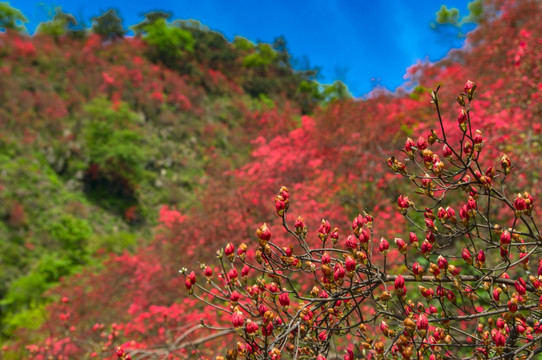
(361, 42)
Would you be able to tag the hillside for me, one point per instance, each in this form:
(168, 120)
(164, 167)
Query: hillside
(123, 161)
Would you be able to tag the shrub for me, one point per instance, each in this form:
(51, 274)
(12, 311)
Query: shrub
(465, 282)
(113, 144)
(169, 43)
(70, 232)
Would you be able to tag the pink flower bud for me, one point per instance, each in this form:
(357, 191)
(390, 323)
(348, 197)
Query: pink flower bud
(299, 225)
(497, 294)
(399, 282)
(251, 327)
(280, 206)
(512, 305)
(426, 247)
(471, 204)
(409, 144)
(470, 89)
(284, 299)
(188, 284)
(338, 272)
(464, 214)
(234, 297)
(384, 245)
(272, 287)
(403, 203)
(481, 257)
(401, 245)
(478, 139)
(358, 222)
(326, 258)
(263, 233)
(421, 144)
(432, 309)
(364, 236)
(412, 238)
(465, 253)
(417, 269)
(351, 242)
(426, 293)
(442, 263)
(237, 319)
(208, 271)
(422, 323)
(324, 230)
(322, 336)
(519, 203)
(349, 355)
(505, 237)
(350, 264)
(447, 152)
(442, 214)
(462, 120)
(498, 338)
(506, 164)
(321, 357)
(229, 249)
(120, 352)
(520, 286)
(232, 274)
(384, 327)
(245, 270)
(427, 183)
(467, 148)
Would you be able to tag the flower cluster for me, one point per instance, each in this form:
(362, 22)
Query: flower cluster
(309, 295)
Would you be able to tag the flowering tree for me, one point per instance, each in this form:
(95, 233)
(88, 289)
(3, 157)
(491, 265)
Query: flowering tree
(317, 297)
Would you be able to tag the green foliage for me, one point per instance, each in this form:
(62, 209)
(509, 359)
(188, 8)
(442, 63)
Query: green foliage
(72, 233)
(452, 16)
(31, 318)
(447, 16)
(111, 143)
(58, 25)
(150, 18)
(11, 18)
(108, 25)
(261, 58)
(325, 93)
(336, 91)
(418, 92)
(24, 291)
(169, 43)
(476, 12)
(242, 43)
(112, 243)
(24, 304)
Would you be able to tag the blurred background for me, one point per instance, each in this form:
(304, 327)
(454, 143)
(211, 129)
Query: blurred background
(342, 38)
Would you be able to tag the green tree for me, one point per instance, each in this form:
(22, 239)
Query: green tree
(108, 25)
(243, 44)
(111, 142)
(168, 43)
(262, 57)
(11, 18)
(452, 16)
(58, 25)
(150, 18)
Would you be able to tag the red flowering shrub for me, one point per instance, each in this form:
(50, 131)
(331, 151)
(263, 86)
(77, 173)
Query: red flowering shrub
(304, 298)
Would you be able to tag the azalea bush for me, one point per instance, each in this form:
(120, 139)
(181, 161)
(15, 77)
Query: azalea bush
(466, 281)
